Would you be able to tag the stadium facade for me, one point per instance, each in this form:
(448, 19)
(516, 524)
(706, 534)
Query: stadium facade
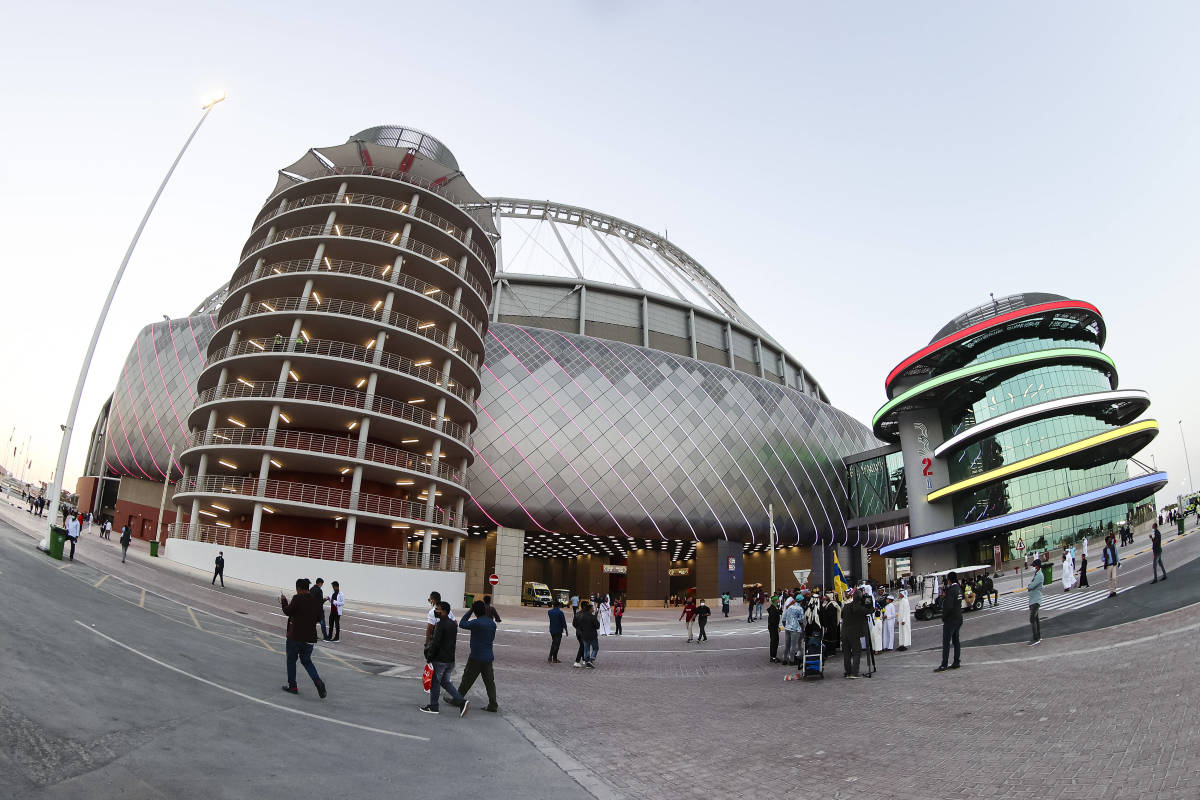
(419, 386)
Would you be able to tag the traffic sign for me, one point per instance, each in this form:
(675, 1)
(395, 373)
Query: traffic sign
(494, 580)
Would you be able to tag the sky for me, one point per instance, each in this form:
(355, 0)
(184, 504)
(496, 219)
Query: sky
(854, 174)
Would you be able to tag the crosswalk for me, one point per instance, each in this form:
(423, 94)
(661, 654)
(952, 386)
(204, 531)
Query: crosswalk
(1067, 601)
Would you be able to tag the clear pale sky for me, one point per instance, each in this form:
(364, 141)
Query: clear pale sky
(855, 174)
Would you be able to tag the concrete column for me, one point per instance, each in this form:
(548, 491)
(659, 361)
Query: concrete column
(351, 525)
(427, 549)
(645, 321)
(355, 487)
(729, 344)
(394, 272)
(758, 357)
(194, 521)
(318, 255)
(212, 421)
(582, 310)
(510, 565)
(404, 232)
(306, 295)
(920, 434)
(245, 306)
(341, 192)
(364, 427)
(692, 330)
(456, 563)
(329, 221)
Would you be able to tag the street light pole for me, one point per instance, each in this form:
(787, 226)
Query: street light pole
(60, 469)
(1188, 461)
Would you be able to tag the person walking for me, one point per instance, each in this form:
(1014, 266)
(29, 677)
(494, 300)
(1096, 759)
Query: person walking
(1068, 572)
(688, 613)
(318, 593)
(618, 612)
(125, 539)
(751, 601)
(574, 605)
(106, 530)
(1111, 562)
(702, 612)
(952, 618)
(482, 657)
(1034, 595)
(439, 652)
(492, 613)
(773, 614)
(903, 622)
(855, 621)
(126, 531)
(219, 571)
(558, 626)
(337, 601)
(759, 600)
(1083, 579)
(301, 612)
(587, 631)
(725, 603)
(73, 534)
(432, 620)
(793, 631)
(1156, 554)
(831, 624)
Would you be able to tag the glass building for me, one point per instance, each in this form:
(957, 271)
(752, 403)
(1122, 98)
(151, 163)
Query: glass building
(1013, 432)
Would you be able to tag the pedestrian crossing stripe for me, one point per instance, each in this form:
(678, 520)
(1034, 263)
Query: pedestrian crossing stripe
(1067, 601)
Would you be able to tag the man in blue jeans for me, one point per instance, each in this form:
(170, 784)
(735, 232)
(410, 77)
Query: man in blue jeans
(1156, 555)
(439, 652)
(479, 662)
(302, 612)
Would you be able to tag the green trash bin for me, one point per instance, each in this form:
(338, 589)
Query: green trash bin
(1179, 521)
(1048, 573)
(58, 537)
(468, 599)
(154, 549)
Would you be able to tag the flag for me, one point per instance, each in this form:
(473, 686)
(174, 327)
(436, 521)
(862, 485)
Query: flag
(839, 580)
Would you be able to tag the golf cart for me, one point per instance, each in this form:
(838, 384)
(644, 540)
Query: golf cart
(929, 604)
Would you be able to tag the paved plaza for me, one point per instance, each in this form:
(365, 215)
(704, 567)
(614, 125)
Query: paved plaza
(142, 680)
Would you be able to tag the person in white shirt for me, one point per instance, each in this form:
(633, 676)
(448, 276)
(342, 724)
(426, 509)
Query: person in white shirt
(904, 621)
(73, 533)
(337, 599)
(889, 624)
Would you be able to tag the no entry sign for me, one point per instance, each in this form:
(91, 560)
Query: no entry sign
(494, 580)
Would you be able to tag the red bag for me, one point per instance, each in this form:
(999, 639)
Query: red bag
(427, 677)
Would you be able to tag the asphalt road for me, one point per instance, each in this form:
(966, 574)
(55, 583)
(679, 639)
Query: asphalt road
(111, 693)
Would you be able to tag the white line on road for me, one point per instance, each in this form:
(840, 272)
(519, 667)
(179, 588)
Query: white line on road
(245, 696)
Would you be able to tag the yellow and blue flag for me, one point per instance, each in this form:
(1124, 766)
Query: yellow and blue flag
(839, 580)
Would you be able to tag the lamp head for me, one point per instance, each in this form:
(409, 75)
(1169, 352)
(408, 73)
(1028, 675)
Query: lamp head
(212, 98)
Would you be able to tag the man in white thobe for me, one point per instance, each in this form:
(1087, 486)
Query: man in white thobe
(904, 621)
(889, 624)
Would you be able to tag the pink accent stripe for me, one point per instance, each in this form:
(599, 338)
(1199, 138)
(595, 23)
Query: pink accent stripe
(513, 445)
(154, 414)
(170, 399)
(600, 452)
(125, 431)
(179, 361)
(566, 460)
(536, 524)
(983, 326)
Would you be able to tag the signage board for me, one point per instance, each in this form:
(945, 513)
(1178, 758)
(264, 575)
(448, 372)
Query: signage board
(616, 569)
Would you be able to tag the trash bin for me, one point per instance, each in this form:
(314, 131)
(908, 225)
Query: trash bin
(154, 549)
(1179, 521)
(1048, 573)
(58, 537)
(468, 597)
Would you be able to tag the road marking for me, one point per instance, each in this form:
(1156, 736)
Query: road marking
(335, 657)
(142, 602)
(264, 643)
(245, 696)
(192, 614)
(103, 578)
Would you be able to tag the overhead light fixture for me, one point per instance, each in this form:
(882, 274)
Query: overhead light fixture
(378, 303)
(207, 513)
(399, 526)
(338, 519)
(257, 344)
(293, 375)
(304, 334)
(434, 290)
(338, 229)
(225, 463)
(285, 417)
(360, 383)
(404, 483)
(425, 325)
(327, 264)
(387, 268)
(370, 344)
(236, 421)
(221, 436)
(223, 524)
(317, 298)
(353, 425)
(246, 382)
(344, 470)
(443, 259)
(267, 306)
(409, 441)
(275, 464)
(218, 505)
(394, 237)
(416, 400)
(268, 509)
(404, 207)
(423, 362)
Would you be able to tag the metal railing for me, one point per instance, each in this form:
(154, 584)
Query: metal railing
(282, 439)
(344, 350)
(323, 496)
(325, 550)
(352, 308)
(336, 395)
(344, 267)
(392, 238)
(379, 201)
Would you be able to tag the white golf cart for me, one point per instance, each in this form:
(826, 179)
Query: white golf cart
(929, 604)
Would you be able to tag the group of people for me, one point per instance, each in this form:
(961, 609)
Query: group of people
(608, 611)
(441, 640)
